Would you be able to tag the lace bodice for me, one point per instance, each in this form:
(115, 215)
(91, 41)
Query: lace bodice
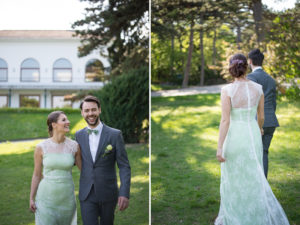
(58, 159)
(68, 146)
(243, 94)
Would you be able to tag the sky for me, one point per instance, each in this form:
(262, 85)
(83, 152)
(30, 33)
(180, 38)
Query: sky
(40, 14)
(60, 14)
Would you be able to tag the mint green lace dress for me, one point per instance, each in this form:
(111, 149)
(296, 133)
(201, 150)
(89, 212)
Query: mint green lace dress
(55, 198)
(246, 196)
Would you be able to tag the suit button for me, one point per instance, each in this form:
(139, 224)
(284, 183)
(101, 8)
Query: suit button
(94, 166)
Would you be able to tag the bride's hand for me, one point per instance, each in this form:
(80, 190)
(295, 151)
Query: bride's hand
(220, 158)
(262, 131)
(32, 206)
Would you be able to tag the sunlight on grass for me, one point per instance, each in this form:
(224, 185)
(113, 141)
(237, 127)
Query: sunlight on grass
(210, 134)
(8, 148)
(191, 160)
(145, 160)
(79, 125)
(140, 179)
(153, 157)
(212, 167)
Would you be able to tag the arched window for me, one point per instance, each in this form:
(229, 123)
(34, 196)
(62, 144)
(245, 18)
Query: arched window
(94, 71)
(62, 70)
(30, 70)
(3, 70)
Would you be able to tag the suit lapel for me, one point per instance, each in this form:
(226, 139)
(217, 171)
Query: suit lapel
(87, 144)
(103, 139)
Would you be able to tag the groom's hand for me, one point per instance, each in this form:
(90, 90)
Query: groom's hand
(123, 203)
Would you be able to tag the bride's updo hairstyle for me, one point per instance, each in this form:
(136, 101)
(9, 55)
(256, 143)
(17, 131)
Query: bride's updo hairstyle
(52, 118)
(238, 65)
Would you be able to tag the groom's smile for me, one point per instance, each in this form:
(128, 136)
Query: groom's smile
(90, 113)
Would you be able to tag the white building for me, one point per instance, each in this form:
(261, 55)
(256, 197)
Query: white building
(39, 67)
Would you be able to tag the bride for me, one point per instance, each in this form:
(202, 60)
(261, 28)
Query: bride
(246, 196)
(52, 197)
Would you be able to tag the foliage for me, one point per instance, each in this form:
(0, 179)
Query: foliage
(185, 176)
(283, 60)
(37, 110)
(293, 93)
(16, 166)
(28, 102)
(119, 25)
(125, 104)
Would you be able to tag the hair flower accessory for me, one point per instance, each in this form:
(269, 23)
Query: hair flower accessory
(107, 150)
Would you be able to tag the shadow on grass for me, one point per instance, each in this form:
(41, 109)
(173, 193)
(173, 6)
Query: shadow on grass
(185, 172)
(16, 172)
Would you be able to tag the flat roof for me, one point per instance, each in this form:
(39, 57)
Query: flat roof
(37, 34)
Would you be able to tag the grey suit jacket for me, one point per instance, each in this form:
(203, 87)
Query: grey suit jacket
(102, 172)
(269, 88)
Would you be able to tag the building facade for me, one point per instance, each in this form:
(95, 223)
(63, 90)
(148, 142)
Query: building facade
(41, 68)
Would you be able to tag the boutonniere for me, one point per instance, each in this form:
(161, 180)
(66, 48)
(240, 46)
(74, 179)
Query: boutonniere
(107, 150)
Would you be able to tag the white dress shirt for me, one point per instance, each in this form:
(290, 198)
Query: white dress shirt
(256, 68)
(94, 140)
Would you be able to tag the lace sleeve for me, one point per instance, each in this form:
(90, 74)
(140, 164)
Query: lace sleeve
(226, 89)
(42, 146)
(73, 147)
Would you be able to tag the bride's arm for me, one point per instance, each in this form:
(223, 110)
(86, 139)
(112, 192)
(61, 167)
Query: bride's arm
(261, 114)
(224, 124)
(78, 158)
(36, 177)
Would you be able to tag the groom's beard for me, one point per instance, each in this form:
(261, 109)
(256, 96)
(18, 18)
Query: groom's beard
(92, 124)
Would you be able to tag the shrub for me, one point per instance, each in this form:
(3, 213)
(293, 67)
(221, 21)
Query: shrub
(37, 110)
(125, 104)
(293, 93)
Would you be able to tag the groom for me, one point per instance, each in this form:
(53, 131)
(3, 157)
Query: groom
(258, 75)
(101, 148)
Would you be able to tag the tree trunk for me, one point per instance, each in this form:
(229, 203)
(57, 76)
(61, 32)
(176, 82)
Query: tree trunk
(238, 37)
(202, 55)
(257, 15)
(181, 53)
(214, 56)
(189, 59)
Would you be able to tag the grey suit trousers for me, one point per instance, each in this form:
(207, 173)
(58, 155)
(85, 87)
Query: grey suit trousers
(266, 140)
(92, 209)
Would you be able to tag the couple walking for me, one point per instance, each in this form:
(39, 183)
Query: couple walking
(246, 196)
(95, 152)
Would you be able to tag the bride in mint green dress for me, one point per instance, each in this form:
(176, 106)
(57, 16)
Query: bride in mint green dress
(246, 196)
(52, 197)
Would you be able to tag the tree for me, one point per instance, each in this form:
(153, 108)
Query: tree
(120, 25)
(283, 58)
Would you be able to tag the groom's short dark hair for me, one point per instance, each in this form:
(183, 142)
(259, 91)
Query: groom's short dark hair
(257, 57)
(90, 98)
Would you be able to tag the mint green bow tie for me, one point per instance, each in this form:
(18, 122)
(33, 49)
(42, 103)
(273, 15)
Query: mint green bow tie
(92, 131)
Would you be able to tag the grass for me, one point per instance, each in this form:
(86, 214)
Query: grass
(160, 87)
(16, 167)
(185, 174)
(16, 125)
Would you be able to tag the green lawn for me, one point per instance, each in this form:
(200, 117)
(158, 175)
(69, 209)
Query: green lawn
(16, 167)
(160, 87)
(185, 174)
(16, 125)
